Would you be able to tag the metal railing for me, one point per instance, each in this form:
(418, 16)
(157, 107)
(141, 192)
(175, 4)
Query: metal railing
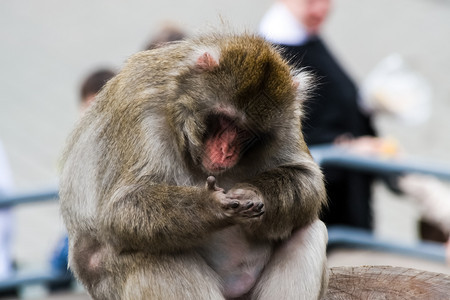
(50, 194)
(325, 155)
(343, 236)
(47, 276)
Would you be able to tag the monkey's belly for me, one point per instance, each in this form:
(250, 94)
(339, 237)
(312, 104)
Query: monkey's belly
(236, 260)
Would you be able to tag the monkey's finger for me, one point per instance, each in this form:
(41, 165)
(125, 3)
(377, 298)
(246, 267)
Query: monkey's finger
(259, 207)
(211, 183)
(234, 204)
(239, 206)
(253, 214)
(248, 204)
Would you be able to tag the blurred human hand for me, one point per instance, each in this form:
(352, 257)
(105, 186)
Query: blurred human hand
(369, 145)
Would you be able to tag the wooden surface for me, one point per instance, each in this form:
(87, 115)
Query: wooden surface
(382, 282)
(364, 283)
(345, 257)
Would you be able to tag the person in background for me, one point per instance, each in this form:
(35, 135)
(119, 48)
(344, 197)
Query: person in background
(332, 114)
(6, 220)
(433, 199)
(447, 251)
(6, 223)
(168, 33)
(92, 85)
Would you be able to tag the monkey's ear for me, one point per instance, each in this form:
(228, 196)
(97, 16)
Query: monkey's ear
(206, 62)
(302, 82)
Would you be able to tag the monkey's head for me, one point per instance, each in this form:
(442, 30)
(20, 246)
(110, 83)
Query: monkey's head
(237, 98)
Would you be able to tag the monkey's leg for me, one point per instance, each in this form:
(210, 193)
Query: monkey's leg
(298, 267)
(170, 277)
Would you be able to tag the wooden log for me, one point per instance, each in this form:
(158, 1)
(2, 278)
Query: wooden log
(384, 282)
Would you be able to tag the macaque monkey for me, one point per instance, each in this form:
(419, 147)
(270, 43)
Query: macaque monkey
(189, 178)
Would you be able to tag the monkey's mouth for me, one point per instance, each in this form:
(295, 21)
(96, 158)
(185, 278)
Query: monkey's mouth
(224, 145)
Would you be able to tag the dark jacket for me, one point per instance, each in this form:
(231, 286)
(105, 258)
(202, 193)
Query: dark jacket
(332, 111)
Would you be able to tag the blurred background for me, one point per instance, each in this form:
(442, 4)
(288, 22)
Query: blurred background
(48, 46)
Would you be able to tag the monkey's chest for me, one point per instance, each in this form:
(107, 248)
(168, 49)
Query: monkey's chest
(236, 260)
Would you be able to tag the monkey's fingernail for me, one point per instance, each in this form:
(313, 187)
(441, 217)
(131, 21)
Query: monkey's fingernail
(234, 204)
(249, 204)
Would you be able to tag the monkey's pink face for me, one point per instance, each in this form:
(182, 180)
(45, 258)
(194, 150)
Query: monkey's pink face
(223, 146)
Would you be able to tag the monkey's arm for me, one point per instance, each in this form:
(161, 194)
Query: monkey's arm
(159, 218)
(293, 195)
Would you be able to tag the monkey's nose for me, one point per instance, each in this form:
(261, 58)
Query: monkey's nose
(226, 150)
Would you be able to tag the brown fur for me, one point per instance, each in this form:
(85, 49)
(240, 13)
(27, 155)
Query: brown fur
(133, 192)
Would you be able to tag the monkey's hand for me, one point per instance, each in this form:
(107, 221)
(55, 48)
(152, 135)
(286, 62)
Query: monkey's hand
(239, 204)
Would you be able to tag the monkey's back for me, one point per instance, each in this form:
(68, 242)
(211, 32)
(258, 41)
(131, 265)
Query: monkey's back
(133, 193)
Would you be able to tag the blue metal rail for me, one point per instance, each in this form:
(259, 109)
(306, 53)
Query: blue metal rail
(325, 155)
(341, 236)
(36, 196)
(349, 237)
(44, 277)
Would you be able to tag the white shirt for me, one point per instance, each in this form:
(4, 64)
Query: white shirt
(279, 26)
